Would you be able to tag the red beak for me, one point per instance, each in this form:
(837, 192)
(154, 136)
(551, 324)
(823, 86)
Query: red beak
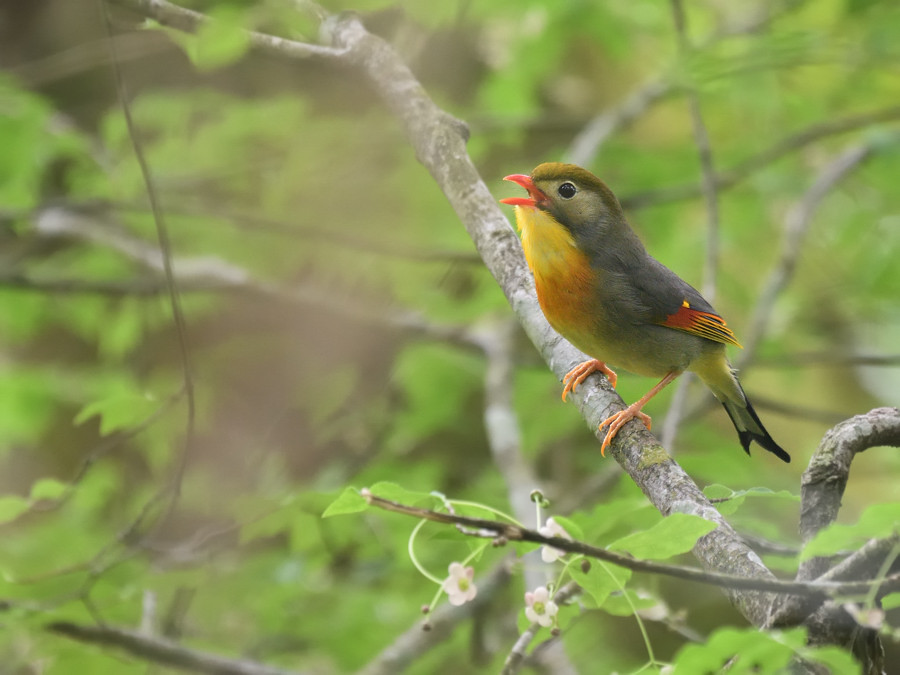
(535, 195)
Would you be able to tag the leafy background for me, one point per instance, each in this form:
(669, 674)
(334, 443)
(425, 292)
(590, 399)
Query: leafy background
(318, 262)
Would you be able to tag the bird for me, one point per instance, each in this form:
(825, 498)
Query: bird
(601, 290)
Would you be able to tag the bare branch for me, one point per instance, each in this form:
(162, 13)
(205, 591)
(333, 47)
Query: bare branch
(355, 241)
(796, 224)
(502, 424)
(189, 21)
(416, 641)
(587, 142)
(829, 469)
(728, 178)
(711, 199)
(208, 274)
(173, 486)
(162, 651)
(827, 359)
(517, 654)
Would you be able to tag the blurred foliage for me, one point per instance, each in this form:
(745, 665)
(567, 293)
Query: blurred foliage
(292, 182)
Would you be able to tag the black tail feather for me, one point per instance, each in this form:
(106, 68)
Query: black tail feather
(749, 428)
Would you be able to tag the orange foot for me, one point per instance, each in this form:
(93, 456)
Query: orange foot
(579, 374)
(620, 419)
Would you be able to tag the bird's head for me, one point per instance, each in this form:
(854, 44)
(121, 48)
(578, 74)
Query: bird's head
(575, 197)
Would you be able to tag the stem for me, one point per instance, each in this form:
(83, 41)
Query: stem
(634, 611)
(415, 561)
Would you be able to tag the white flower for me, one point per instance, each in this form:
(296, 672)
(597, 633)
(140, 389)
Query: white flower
(458, 586)
(552, 529)
(539, 608)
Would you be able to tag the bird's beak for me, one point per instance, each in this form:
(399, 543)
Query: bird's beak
(535, 195)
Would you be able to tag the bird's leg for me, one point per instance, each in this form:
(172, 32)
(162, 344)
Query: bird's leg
(579, 374)
(621, 418)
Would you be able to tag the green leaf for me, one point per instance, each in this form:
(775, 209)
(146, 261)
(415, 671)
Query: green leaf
(718, 491)
(752, 650)
(876, 522)
(601, 580)
(218, 42)
(48, 488)
(398, 493)
(627, 603)
(735, 498)
(435, 381)
(119, 411)
(349, 501)
(836, 659)
(671, 536)
(890, 601)
(570, 526)
(11, 507)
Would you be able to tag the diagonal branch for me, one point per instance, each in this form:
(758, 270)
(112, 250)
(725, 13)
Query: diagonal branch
(189, 21)
(411, 644)
(796, 224)
(728, 178)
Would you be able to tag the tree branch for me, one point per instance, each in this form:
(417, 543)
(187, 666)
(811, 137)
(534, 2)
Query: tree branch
(162, 651)
(796, 224)
(518, 653)
(826, 476)
(416, 641)
(730, 177)
(711, 199)
(504, 531)
(189, 21)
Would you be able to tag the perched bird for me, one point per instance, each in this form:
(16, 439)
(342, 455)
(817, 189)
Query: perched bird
(600, 289)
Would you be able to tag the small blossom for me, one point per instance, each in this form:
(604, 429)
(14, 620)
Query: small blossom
(539, 608)
(869, 618)
(552, 529)
(458, 586)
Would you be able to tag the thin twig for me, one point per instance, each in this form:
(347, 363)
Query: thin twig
(796, 224)
(210, 274)
(165, 248)
(711, 199)
(586, 144)
(417, 640)
(517, 654)
(829, 359)
(729, 177)
(355, 241)
(508, 532)
(162, 650)
(189, 21)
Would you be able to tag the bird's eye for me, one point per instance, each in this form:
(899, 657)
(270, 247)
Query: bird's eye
(566, 190)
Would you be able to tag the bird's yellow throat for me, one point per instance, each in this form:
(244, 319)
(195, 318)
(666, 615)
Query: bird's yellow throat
(562, 272)
(549, 247)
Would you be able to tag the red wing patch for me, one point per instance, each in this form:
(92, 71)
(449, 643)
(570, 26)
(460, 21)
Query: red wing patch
(704, 324)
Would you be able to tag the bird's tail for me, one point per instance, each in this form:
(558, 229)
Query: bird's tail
(718, 375)
(749, 428)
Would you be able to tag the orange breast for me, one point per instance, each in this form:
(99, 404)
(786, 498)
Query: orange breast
(566, 284)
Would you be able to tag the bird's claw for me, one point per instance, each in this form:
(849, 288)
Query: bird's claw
(580, 373)
(617, 421)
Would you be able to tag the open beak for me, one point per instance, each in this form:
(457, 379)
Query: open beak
(534, 194)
